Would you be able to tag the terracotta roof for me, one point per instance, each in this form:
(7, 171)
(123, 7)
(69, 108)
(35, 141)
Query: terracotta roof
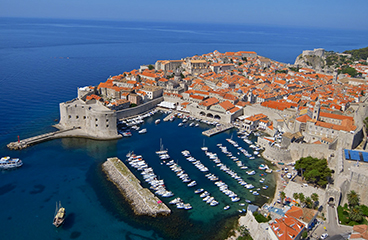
(209, 102)
(286, 228)
(303, 118)
(227, 105)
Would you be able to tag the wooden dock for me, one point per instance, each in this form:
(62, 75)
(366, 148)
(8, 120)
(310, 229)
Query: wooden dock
(142, 200)
(37, 139)
(218, 129)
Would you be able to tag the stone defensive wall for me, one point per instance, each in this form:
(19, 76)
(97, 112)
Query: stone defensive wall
(299, 150)
(94, 119)
(138, 109)
(142, 200)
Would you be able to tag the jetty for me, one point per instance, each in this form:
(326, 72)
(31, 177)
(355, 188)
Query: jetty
(217, 129)
(39, 138)
(142, 200)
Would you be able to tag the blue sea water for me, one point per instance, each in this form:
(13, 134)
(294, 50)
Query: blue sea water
(43, 61)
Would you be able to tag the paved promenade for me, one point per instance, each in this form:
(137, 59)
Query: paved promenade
(217, 129)
(142, 200)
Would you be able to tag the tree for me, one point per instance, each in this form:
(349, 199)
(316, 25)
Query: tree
(353, 198)
(296, 196)
(356, 214)
(301, 197)
(315, 197)
(244, 59)
(314, 170)
(151, 67)
(282, 196)
(308, 202)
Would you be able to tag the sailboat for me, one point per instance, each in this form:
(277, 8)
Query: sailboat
(204, 148)
(162, 151)
(59, 215)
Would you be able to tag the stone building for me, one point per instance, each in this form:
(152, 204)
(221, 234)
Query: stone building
(93, 118)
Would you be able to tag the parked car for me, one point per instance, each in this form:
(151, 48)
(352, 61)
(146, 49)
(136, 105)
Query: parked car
(324, 235)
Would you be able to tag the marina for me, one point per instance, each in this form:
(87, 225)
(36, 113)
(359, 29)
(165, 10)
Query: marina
(141, 199)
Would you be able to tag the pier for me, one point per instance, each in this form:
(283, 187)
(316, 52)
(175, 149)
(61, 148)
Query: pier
(37, 139)
(217, 129)
(142, 200)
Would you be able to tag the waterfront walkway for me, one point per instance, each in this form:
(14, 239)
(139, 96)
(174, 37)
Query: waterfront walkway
(218, 129)
(142, 200)
(37, 139)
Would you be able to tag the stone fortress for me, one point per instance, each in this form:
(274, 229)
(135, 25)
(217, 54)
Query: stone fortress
(237, 88)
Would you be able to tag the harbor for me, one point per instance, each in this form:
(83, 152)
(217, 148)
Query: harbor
(142, 200)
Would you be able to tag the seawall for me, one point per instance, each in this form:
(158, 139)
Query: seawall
(142, 200)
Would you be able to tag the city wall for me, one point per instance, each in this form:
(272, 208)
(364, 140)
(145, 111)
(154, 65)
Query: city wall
(138, 109)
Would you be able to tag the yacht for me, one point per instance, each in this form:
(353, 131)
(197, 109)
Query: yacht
(226, 207)
(157, 121)
(8, 163)
(144, 130)
(59, 215)
(199, 190)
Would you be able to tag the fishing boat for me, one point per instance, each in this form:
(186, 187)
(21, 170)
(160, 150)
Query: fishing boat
(8, 163)
(59, 215)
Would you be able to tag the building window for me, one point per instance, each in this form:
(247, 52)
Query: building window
(84, 117)
(76, 117)
(107, 125)
(96, 125)
(70, 116)
(107, 120)
(96, 119)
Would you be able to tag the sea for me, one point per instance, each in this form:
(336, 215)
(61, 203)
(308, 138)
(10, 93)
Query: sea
(43, 61)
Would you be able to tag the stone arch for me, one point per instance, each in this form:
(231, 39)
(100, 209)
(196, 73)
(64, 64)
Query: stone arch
(202, 113)
(217, 117)
(209, 115)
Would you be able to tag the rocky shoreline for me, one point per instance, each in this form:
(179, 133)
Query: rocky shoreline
(142, 200)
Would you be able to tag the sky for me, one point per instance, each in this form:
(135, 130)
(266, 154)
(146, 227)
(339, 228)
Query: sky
(300, 13)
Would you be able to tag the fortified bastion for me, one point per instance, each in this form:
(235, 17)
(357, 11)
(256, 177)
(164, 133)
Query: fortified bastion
(93, 119)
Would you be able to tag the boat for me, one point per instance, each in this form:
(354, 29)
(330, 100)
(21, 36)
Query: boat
(157, 121)
(127, 134)
(144, 130)
(204, 148)
(59, 215)
(226, 207)
(162, 151)
(180, 124)
(199, 190)
(8, 163)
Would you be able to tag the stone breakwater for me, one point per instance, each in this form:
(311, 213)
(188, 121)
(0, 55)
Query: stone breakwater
(142, 200)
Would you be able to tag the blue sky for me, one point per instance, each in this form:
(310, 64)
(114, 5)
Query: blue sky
(312, 13)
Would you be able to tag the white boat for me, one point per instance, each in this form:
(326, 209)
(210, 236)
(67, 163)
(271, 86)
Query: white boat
(157, 121)
(199, 190)
(192, 183)
(144, 130)
(8, 163)
(180, 124)
(187, 206)
(175, 201)
(204, 148)
(226, 207)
